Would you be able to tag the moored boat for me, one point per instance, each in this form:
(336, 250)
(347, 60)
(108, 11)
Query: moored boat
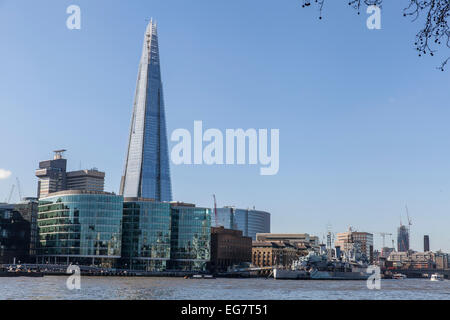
(437, 277)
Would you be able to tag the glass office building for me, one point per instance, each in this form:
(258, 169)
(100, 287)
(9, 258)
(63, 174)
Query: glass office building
(250, 222)
(17, 232)
(190, 237)
(147, 171)
(145, 235)
(80, 227)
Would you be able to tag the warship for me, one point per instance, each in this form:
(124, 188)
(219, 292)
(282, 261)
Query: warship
(315, 266)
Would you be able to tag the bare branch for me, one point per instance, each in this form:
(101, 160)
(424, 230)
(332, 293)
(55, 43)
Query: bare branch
(435, 32)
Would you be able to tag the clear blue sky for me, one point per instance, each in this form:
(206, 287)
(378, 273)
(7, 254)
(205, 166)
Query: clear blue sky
(363, 121)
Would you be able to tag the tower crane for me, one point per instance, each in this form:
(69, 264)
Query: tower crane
(409, 226)
(19, 189)
(10, 193)
(383, 235)
(409, 219)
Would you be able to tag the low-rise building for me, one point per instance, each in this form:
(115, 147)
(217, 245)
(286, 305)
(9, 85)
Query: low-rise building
(442, 260)
(418, 260)
(273, 253)
(301, 240)
(229, 248)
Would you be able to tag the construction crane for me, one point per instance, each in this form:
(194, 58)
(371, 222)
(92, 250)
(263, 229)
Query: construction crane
(409, 219)
(383, 235)
(10, 194)
(409, 226)
(19, 189)
(215, 210)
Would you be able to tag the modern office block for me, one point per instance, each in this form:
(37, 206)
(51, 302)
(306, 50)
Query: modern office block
(190, 237)
(145, 235)
(28, 209)
(52, 175)
(17, 231)
(354, 240)
(249, 221)
(82, 227)
(147, 171)
(90, 180)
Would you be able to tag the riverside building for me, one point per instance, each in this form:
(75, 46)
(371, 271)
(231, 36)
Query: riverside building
(18, 231)
(190, 237)
(80, 227)
(229, 248)
(293, 238)
(145, 234)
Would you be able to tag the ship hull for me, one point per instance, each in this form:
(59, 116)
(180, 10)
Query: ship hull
(290, 274)
(280, 274)
(339, 275)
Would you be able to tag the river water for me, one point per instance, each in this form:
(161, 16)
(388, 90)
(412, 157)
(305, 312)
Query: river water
(54, 287)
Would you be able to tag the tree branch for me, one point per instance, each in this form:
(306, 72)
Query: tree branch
(435, 32)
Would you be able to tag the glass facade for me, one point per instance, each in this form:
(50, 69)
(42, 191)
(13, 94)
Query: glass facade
(190, 238)
(225, 218)
(16, 233)
(145, 235)
(28, 209)
(147, 171)
(81, 227)
(250, 222)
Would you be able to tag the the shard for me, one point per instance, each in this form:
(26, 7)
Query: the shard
(147, 171)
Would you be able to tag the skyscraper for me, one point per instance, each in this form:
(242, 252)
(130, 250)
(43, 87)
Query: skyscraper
(426, 243)
(402, 239)
(147, 172)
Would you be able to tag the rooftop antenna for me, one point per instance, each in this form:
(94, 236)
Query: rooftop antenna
(59, 154)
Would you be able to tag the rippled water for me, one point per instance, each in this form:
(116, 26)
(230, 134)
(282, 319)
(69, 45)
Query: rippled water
(53, 287)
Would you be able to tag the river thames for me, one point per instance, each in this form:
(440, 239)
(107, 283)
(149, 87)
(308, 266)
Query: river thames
(125, 288)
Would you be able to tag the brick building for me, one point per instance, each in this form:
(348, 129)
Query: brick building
(228, 248)
(273, 253)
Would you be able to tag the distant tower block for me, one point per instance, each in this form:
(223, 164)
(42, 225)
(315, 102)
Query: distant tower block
(426, 243)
